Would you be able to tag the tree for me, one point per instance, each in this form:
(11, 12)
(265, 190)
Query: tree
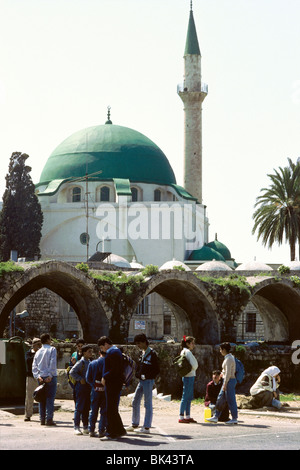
(278, 208)
(21, 218)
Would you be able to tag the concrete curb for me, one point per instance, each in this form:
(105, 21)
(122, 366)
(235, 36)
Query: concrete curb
(274, 414)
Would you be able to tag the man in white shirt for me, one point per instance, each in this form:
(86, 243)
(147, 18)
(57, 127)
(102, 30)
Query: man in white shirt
(44, 369)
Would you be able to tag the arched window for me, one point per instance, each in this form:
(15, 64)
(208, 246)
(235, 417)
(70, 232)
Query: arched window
(134, 193)
(76, 194)
(157, 195)
(104, 193)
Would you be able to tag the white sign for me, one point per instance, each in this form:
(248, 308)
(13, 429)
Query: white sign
(139, 325)
(2, 352)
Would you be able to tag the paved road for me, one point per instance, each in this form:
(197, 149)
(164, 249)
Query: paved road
(254, 432)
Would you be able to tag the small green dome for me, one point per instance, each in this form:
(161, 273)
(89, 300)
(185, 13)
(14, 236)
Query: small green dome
(206, 254)
(116, 151)
(220, 248)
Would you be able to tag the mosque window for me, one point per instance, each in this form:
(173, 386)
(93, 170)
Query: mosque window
(134, 192)
(157, 195)
(76, 194)
(251, 323)
(143, 307)
(167, 324)
(104, 193)
(84, 238)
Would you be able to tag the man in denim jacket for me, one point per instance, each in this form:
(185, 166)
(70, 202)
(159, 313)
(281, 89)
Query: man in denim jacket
(147, 371)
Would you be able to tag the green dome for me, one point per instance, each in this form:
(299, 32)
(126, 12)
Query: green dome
(206, 254)
(220, 248)
(116, 151)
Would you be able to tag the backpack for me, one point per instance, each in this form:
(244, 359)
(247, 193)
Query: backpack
(239, 371)
(129, 368)
(182, 365)
(71, 381)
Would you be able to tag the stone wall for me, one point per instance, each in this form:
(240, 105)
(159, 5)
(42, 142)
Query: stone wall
(44, 313)
(255, 359)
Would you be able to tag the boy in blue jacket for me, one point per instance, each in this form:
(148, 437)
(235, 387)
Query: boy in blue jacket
(93, 377)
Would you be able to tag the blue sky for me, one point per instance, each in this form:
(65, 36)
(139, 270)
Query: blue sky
(62, 62)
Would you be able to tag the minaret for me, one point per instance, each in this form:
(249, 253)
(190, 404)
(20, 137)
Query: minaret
(192, 93)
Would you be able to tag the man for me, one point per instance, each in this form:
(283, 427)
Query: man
(113, 381)
(30, 380)
(147, 371)
(44, 369)
(77, 355)
(213, 389)
(227, 392)
(82, 390)
(93, 377)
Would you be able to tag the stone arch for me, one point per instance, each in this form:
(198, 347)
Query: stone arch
(192, 305)
(278, 302)
(74, 286)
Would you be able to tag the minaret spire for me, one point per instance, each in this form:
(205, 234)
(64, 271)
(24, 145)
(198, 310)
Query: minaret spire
(192, 93)
(108, 115)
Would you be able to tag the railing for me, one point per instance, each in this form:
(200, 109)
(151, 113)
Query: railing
(181, 88)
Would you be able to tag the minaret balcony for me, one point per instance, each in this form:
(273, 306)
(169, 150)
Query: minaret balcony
(203, 88)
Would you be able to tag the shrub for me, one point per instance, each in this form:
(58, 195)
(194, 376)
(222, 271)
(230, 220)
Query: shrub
(283, 269)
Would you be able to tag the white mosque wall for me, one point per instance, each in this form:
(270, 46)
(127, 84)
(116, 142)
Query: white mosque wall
(152, 232)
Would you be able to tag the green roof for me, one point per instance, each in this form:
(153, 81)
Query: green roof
(221, 248)
(192, 44)
(206, 254)
(109, 152)
(122, 187)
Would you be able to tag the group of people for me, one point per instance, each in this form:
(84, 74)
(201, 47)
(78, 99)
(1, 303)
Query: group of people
(97, 386)
(220, 391)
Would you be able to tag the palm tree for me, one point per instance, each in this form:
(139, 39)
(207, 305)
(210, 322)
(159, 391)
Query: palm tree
(278, 208)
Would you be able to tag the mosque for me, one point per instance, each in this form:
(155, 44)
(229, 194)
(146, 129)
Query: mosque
(112, 188)
(108, 192)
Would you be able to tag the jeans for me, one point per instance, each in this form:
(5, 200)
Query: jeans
(230, 398)
(187, 395)
(82, 404)
(46, 408)
(97, 402)
(144, 388)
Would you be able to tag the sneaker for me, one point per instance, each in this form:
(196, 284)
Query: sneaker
(191, 420)
(214, 419)
(94, 434)
(183, 420)
(131, 428)
(143, 430)
(107, 437)
(85, 431)
(50, 423)
(77, 432)
(231, 421)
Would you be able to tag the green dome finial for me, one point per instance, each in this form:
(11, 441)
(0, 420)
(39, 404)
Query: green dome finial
(108, 115)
